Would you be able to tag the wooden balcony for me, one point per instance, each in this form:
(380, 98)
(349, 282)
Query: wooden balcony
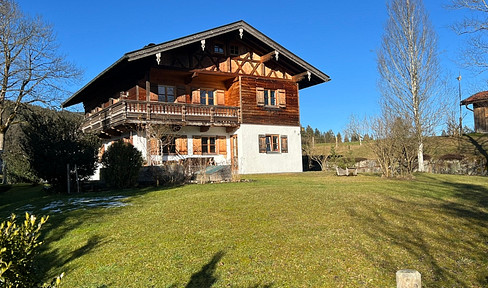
(134, 112)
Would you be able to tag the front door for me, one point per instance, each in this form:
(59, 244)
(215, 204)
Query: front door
(233, 154)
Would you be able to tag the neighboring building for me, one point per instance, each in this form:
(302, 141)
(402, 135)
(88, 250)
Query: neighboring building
(480, 110)
(229, 94)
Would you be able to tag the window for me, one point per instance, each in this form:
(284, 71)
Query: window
(271, 143)
(166, 93)
(207, 97)
(219, 48)
(169, 145)
(208, 145)
(269, 98)
(234, 50)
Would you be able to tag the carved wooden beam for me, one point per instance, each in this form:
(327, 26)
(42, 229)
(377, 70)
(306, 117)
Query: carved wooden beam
(269, 56)
(301, 76)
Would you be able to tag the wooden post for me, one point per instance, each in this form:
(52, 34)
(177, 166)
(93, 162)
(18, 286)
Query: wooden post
(408, 278)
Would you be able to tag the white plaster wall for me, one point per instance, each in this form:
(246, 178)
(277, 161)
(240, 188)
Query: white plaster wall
(253, 162)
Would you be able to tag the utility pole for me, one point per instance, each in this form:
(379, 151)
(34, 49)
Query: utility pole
(460, 107)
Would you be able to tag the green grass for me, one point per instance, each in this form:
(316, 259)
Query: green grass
(290, 230)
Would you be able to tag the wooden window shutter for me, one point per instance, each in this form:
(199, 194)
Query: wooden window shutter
(181, 94)
(197, 146)
(222, 145)
(260, 96)
(262, 143)
(284, 144)
(182, 145)
(195, 96)
(282, 98)
(153, 146)
(220, 94)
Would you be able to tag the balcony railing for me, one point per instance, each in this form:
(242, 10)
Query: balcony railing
(131, 111)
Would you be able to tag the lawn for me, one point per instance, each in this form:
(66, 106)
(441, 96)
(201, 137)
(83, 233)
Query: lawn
(290, 230)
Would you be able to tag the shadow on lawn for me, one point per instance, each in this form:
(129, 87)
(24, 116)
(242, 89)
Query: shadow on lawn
(441, 237)
(206, 278)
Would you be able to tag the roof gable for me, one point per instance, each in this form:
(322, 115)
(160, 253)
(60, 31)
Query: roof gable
(244, 30)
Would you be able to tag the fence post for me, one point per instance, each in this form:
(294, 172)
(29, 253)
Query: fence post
(408, 278)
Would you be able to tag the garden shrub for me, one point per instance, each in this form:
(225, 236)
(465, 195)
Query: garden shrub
(18, 248)
(122, 163)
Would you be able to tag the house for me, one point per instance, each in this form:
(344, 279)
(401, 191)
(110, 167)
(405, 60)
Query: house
(480, 110)
(228, 94)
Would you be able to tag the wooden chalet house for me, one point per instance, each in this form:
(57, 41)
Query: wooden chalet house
(228, 93)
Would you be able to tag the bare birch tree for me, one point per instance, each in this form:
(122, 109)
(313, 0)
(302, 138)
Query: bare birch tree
(31, 69)
(474, 24)
(409, 69)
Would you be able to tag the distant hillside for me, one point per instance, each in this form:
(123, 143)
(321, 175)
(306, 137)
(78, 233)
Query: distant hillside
(468, 146)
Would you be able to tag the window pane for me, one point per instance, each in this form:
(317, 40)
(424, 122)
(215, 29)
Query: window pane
(266, 95)
(210, 97)
(273, 98)
(275, 143)
(203, 97)
(268, 143)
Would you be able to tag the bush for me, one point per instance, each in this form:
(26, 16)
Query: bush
(18, 248)
(122, 163)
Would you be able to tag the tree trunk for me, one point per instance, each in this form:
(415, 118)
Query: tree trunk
(4, 166)
(420, 157)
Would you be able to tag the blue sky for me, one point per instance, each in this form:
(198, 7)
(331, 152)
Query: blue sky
(338, 37)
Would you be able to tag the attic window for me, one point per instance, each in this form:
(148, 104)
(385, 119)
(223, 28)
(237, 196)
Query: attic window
(219, 48)
(234, 50)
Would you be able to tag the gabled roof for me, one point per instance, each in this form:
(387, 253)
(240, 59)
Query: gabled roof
(478, 97)
(240, 27)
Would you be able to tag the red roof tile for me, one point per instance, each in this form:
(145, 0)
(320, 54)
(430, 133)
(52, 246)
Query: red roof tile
(478, 97)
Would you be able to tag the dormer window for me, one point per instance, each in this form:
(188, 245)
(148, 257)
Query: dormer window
(219, 48)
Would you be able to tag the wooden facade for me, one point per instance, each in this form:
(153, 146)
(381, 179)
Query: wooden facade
(225, 77)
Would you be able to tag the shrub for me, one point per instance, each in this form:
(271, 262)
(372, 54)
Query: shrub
(18, 248)
(122, 163)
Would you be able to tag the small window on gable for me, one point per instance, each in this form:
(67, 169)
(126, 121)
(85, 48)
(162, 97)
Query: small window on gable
(219, 48)
(234, 50)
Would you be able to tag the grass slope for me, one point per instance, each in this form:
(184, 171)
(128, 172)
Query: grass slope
(470, 146)
(289, 230)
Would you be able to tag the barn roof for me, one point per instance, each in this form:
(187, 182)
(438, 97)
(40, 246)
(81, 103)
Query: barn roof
(128, 61)
(478, 97)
